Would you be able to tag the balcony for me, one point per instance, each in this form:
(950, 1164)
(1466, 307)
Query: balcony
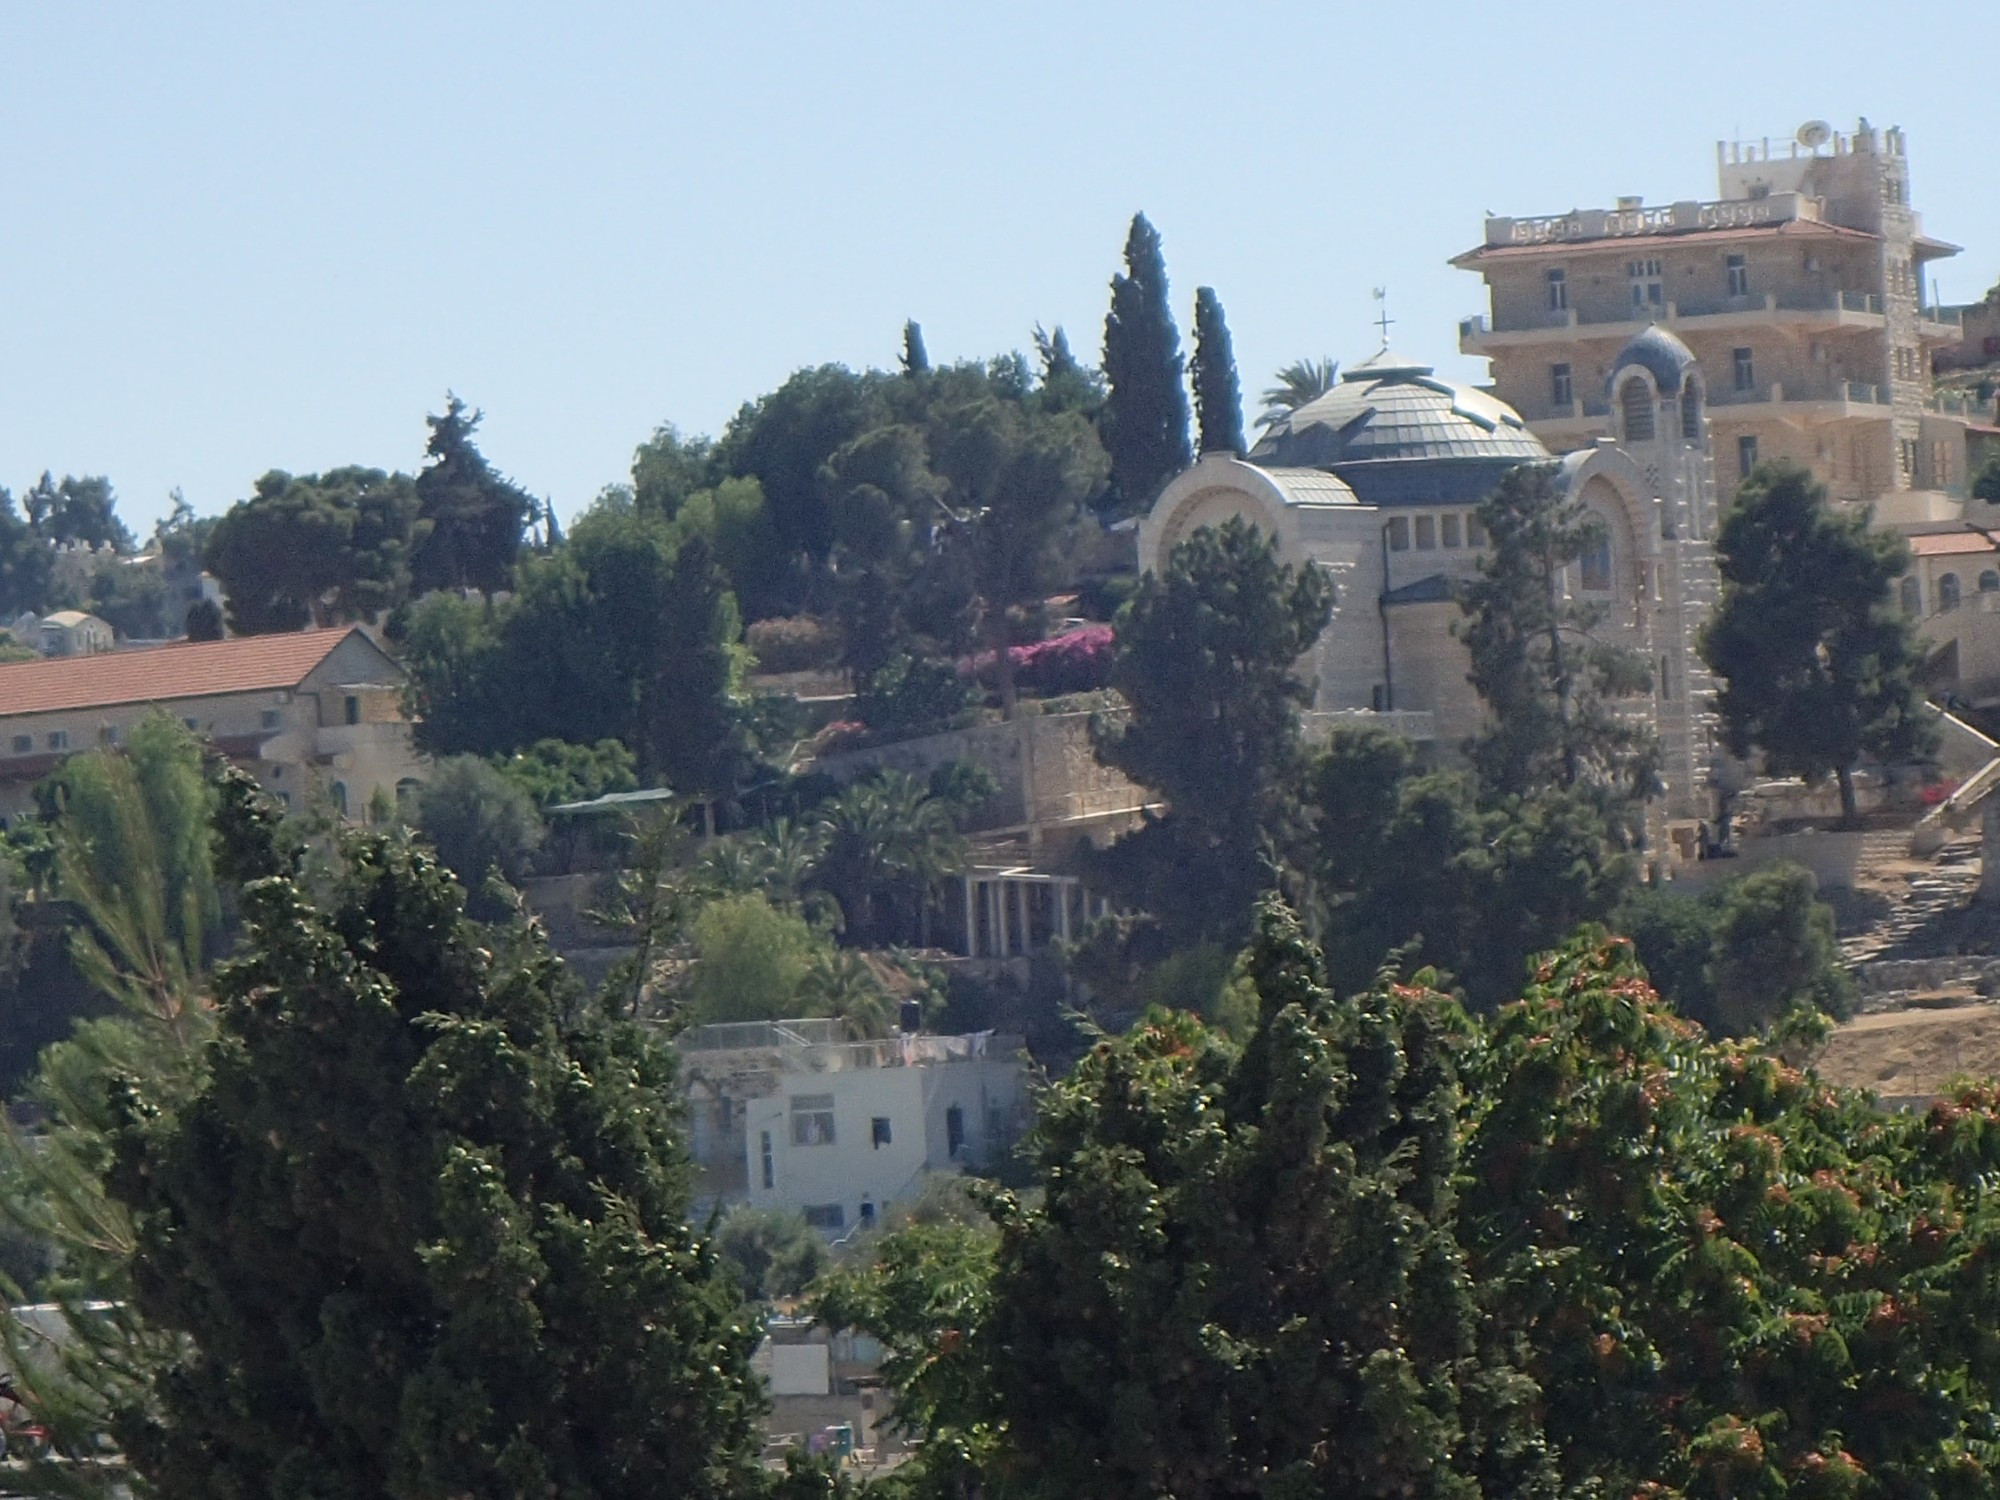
(1820, 401)
(1638, 221)
(1946, 324)
(1808, 310)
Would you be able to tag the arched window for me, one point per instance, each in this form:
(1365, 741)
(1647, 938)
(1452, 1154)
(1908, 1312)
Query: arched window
(1595, 562)
(1691, 411)
(1635, 400)
(1989, 582)
(1913, 597)
(1947, 590)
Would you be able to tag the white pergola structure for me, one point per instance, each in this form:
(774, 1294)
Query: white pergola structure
(1014, 909)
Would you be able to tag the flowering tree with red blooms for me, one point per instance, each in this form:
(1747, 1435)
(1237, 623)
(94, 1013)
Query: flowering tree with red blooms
(1384, 1248)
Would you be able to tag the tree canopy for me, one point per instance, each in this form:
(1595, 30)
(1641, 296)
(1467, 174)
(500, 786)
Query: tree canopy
(424, 1226)
(1144, 423)
(1218, 399)
(473, 518)
(1208, 660)
(316, 549)
(1818, 667)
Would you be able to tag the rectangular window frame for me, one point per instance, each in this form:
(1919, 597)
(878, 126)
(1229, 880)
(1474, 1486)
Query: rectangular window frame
(58, 739)
(1738, 269)
(1562, 385)
(1399, 533)
(824, 1216)
(881, 1132)
(812, 1120)
(767, 1160)
(1746, 454)
(1451, 533)
(1427, 533)
(1743, 361)
(1557, 282)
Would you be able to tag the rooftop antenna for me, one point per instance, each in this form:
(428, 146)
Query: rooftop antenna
(1382, 318)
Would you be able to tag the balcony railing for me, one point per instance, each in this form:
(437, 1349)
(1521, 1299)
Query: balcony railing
(1943, 317)
(1749, 303)
(1672, 218)
(1855, 392)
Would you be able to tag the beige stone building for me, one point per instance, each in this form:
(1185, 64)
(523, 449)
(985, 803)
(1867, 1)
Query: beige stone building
(1378, 483)
(314, 714)
(1800, 289)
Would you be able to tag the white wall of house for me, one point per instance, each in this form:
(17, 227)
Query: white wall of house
(826, 1143)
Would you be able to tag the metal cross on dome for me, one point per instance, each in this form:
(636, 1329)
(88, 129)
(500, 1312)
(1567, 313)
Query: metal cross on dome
(1382, 318)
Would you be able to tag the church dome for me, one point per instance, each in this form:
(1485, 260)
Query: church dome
(1660, 354)
(1398, 434)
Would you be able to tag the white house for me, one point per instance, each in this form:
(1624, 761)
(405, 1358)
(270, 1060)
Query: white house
(786, 1114)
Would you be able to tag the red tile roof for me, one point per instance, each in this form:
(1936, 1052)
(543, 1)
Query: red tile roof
(196, 669)
(1952, 544)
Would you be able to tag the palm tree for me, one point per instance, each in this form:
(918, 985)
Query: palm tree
(1300, 381)
(841, 984)
(888, 843)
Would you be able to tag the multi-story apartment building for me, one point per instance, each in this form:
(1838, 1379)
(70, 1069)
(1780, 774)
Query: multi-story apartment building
(318, 713)
(1799, 289)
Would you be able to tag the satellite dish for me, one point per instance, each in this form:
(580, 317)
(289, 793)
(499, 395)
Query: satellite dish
(1814, 134)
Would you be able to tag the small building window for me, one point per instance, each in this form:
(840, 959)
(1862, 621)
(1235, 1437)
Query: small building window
(1475, 531)
(1913, 598)
(1989, 582)
(1691, 411)
(59, 739)
(193, 726)
(107, 734)
(1562, 391)
(1648, 294)
(1594, 565)
(352, 708)
(1746, 369)
(954, 1131)
(1739, 276)
(1558, 285)
(1399, 533)
(1449, 531)
(825, 1215)
(769, 1175)
(878, 1132)
(1746, 454)
(268, 719)
(1666, 683)
(340, 798)
(1947, 593)
(812, 1119)
(1635, 403)
(1427, 533)
(1906, 455)
(23, 743)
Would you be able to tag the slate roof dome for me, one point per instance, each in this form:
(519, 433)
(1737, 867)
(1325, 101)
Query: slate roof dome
(1399, 435)
(1657, 352)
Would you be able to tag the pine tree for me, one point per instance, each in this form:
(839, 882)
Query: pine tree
(1218, 398)
(424, 1226)
(1207, 657)
(1550, 681)
(1818, 667)
(476, 517)
(916, 361)
(132, 858)
(1144, 424)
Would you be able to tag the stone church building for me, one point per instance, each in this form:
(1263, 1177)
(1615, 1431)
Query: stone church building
(1378, 482)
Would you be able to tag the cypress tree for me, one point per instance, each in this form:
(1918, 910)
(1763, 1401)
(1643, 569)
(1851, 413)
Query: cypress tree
(1218, 399)
(916, 359)
(477, 517)
(1144, 424)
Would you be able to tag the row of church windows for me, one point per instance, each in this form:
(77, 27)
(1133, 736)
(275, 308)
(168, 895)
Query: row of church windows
(1948, 592)
(1452, 530)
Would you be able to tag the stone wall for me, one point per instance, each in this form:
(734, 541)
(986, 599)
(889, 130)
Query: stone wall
(1046, 767)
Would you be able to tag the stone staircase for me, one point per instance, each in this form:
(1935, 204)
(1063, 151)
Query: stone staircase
(1924, 896)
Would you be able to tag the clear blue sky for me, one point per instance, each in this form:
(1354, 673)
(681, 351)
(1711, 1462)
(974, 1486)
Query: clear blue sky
(250, 236)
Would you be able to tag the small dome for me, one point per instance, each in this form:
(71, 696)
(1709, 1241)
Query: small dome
(1388, 408)
(1660, 354)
